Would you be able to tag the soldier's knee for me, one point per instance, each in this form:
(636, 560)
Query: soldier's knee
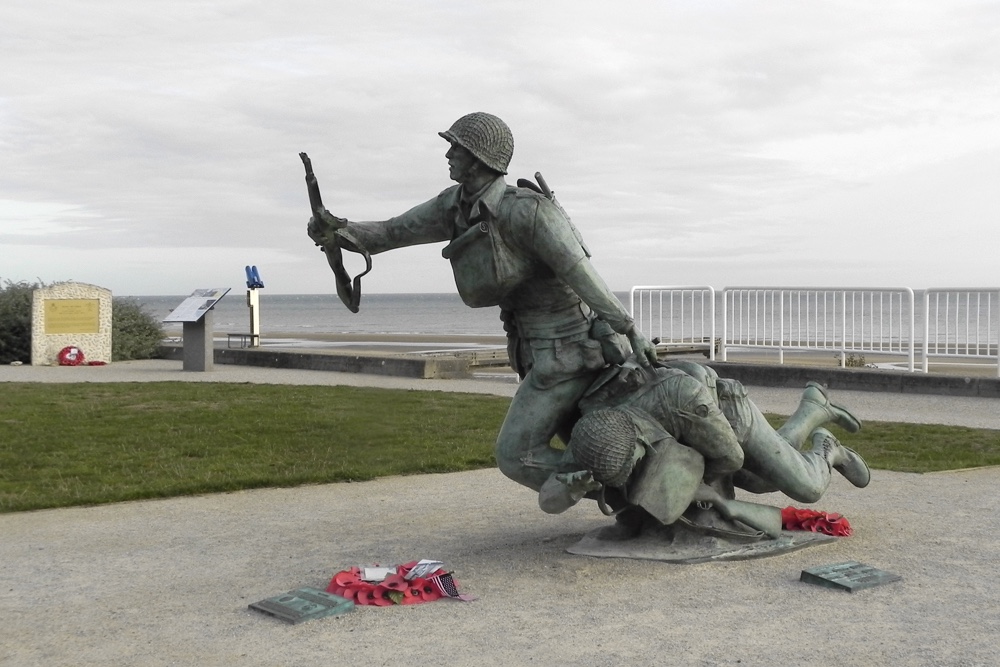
(509, 452)
(804, 493)
(510, 466)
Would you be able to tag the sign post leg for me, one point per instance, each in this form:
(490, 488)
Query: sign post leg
(199, 347)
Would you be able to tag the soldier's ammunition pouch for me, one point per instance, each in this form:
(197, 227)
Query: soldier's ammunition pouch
(667, 480)
(485, 267)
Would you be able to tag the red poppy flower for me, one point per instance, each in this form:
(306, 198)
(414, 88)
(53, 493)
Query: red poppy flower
(395, 582)
(411, 596)
(346, 578)
(380, 596)
(349, 593)
(428, 592)
(374, 595)
(793, 518)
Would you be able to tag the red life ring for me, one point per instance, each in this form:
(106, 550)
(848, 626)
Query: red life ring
(70, 356)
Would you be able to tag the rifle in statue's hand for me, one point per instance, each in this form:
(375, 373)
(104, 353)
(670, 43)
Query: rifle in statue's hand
(322, 220)
(322, 230)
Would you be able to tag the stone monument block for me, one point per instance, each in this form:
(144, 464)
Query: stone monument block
(70, 314)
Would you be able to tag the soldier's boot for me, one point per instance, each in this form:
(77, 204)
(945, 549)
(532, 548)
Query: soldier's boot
(815, 410)
(844, 460)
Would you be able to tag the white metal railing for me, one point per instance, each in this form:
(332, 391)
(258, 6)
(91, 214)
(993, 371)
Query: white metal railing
(676, 314)
(838, 319)
(961, 322)
(949, 322)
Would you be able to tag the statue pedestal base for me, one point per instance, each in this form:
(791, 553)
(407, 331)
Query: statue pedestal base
(679, 544)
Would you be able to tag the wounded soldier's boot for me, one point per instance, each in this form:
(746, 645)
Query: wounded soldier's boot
(844, 460)
(815, 410)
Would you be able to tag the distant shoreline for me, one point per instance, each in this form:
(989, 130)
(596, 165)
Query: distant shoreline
(385, 337)
(392, 343)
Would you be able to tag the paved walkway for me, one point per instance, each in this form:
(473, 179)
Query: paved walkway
(167, 582)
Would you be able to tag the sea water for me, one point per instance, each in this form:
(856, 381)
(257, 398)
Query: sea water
(445, 314)
(433, 314)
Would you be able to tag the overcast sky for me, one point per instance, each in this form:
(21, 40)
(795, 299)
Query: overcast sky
(152, 147)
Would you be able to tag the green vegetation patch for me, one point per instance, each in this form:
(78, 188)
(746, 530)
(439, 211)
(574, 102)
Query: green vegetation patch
(95, 443)
(76, 444)
(929, 448)
(920, 447)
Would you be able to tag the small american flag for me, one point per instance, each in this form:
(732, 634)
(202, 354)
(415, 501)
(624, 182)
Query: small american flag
(446, 584)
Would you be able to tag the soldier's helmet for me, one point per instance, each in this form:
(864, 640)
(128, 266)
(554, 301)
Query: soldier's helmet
(485, 136)
(604, 442)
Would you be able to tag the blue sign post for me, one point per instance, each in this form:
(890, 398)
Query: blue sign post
(254, 283)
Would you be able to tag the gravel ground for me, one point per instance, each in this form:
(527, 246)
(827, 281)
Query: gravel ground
(167, 582)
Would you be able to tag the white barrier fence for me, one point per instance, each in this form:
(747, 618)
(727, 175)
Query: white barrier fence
(954, 322)
(676, 316)
(961, 322)
(834, 319)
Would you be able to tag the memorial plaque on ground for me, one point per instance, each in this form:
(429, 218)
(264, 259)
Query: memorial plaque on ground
(303, 604)
(850, 576)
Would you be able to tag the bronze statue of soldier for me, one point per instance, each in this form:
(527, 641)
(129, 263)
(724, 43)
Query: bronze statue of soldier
(512, 247)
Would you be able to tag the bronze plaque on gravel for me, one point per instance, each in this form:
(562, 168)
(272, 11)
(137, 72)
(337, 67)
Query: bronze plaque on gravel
(303, 604)
(850, 576)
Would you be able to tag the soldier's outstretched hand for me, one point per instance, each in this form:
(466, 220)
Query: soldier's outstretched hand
(579, 482)
(644, 351)
(321, 229)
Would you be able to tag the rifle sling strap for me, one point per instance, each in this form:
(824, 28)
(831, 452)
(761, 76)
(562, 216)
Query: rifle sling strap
(349, 291)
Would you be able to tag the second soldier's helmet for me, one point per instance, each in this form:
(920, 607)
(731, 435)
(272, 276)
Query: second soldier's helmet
(604, 442)
(485, 136)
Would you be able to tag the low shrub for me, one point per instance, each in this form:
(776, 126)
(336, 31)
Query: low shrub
(15, 321)
(135, 333)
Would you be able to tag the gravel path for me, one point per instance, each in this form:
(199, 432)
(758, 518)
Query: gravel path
(167, 582)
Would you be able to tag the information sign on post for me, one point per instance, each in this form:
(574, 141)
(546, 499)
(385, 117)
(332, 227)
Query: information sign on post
(195, 312)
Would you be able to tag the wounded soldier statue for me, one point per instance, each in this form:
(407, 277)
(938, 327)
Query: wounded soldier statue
(666, 447)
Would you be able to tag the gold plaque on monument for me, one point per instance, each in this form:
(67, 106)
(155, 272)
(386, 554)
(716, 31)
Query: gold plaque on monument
(72, 316)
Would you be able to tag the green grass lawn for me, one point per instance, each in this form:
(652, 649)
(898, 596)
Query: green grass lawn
(72, 444)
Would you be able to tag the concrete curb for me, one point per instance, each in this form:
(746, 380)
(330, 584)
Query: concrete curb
(410, 366)
(763, 375)
(759, 375)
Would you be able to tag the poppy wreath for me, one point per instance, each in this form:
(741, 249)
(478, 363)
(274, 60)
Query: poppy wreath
(794, 518)
(70, 355)
(394, 589)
